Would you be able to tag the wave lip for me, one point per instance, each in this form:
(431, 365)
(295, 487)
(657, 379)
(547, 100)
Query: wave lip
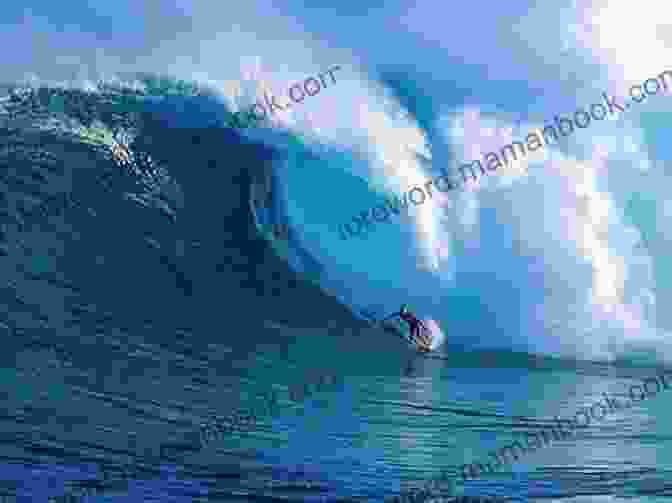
(235, 119)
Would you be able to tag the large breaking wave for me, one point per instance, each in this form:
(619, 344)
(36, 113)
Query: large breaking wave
(555, 255)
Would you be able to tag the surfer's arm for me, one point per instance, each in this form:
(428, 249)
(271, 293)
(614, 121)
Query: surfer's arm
(369, 317)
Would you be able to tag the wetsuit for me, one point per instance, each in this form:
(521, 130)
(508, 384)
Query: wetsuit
(414, 324)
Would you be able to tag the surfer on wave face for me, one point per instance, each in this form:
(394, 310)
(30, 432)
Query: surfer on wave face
(414, 325)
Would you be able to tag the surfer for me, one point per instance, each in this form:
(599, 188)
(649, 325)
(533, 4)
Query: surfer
(120, 153)
(420, 339)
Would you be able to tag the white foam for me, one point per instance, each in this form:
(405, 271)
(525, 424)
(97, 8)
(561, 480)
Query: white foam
(438, 337)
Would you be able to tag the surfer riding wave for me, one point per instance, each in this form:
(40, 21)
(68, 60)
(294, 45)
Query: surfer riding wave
(419, 337)
(425, 335)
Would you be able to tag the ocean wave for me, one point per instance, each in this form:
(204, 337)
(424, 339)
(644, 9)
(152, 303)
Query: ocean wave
(554, 235)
